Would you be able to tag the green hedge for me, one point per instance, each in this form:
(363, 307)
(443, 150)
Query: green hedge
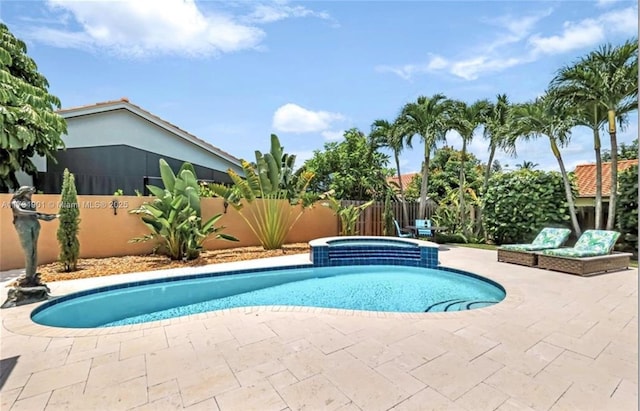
(519, 204)
(627, 209)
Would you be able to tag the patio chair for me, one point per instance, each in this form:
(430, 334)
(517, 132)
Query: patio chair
(422, 228)
(524, 254)
(592, 254)
(402, 233)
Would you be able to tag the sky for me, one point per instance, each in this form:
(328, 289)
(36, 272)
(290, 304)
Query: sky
(234, 72)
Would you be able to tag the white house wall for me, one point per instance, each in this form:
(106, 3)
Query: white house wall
(123, 127)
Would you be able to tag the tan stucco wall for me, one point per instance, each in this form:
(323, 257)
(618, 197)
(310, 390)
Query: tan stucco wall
(103, 234)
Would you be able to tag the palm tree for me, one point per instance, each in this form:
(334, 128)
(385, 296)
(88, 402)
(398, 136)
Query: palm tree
(497, 129)
(608, 77)
(540, 118)
(391, 135)
(465, 119)
(427, 117)
(527, 165)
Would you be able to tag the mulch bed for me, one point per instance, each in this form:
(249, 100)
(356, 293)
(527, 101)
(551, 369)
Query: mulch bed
(98, 267)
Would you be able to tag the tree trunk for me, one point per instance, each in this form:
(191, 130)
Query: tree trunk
(405, 212)
(567, 187)
(422, 210)
(462, 206)
(598, 205)
(611, 219)
(485, 186)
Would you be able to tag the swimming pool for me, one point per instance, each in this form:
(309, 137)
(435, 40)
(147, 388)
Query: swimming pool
(362, 287)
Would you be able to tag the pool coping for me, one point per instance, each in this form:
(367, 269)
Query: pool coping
(18, 319)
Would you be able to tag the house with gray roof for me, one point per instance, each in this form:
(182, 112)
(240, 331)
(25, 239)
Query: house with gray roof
(117, 145)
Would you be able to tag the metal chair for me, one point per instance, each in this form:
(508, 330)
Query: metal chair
(402, 233)
(422, 226)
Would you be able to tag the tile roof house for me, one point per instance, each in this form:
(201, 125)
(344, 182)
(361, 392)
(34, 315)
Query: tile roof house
(586, 181)
(586, 178)
(117, 145)
(406, 179)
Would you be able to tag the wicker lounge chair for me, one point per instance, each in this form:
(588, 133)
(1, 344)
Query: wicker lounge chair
(591, 255)
(524, 254)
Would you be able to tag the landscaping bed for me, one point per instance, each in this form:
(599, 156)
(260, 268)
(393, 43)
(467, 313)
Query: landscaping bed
(98, 267)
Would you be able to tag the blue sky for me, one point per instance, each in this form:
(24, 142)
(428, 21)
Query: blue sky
(234, 72)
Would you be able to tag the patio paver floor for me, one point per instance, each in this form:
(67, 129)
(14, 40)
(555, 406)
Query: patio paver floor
(557, 342)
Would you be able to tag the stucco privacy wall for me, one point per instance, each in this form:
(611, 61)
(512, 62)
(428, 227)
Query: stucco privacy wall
(103, 234)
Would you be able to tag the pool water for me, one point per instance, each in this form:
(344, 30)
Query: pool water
(370, 288)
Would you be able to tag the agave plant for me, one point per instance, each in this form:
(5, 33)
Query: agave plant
(174, 217)
(274, 192)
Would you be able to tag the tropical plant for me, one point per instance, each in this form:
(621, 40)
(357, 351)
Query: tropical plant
(69, 224)
(628, 208)
(29, 126)
(606, 79)
(388, 227)
(352, 168)
(277, 195)
(428, 118)
(520, 203)
(392, 136)
(497, 129)
(527, 165)
(174, 216)
(625, 152)
(348, 215)
(465, 119)
(539, 118)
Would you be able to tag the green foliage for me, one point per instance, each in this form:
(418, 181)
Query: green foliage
(352, 168)
(519, 204)
(28, 124)
(625, 151)
(628, 208)
(388, 227)
(118, 192)
(349, 215)
(69, 224)
(272, 181)
(444, 174)
(174, 217)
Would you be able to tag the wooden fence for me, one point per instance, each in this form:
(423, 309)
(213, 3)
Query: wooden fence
(371, 220)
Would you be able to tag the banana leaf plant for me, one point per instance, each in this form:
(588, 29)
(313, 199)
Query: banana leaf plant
(276, 194)
(174, 216)
(349, 215)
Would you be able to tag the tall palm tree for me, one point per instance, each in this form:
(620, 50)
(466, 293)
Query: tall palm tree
(497, 129)
(465, 119)
(427, 117)
(607, 76)
(527, 165)
(392, 136)
(539, 118)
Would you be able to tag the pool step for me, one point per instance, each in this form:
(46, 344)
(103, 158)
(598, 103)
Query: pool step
(457, 305)
(398, 253)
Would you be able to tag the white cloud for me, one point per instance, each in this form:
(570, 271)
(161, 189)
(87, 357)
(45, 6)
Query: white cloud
(574, 36)
(295, 119)
(495, 56)
(269, 13)
(605, 3)
(148, 27)
(332, 135)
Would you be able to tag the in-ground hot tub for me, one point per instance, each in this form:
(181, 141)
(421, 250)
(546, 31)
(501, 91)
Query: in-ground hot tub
(359, 250)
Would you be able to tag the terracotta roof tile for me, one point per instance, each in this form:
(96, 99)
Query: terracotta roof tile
(406, 179)
(586, 177)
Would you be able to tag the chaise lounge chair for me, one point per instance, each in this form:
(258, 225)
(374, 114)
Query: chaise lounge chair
(524, 254)
(591, 255)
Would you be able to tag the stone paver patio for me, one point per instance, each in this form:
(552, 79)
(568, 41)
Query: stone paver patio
(557, 342)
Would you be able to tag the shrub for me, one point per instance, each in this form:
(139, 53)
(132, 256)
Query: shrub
(519, 204)
(627, 209)
(69, 223)
(174, 216)
(348, 215)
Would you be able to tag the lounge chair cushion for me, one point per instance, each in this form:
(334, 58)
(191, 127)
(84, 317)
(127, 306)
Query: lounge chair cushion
(590, 244)
(547, 238)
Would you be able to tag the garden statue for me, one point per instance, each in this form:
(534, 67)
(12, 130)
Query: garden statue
(25, 218)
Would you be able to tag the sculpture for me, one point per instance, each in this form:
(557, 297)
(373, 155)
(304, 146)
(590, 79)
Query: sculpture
(25, 219)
